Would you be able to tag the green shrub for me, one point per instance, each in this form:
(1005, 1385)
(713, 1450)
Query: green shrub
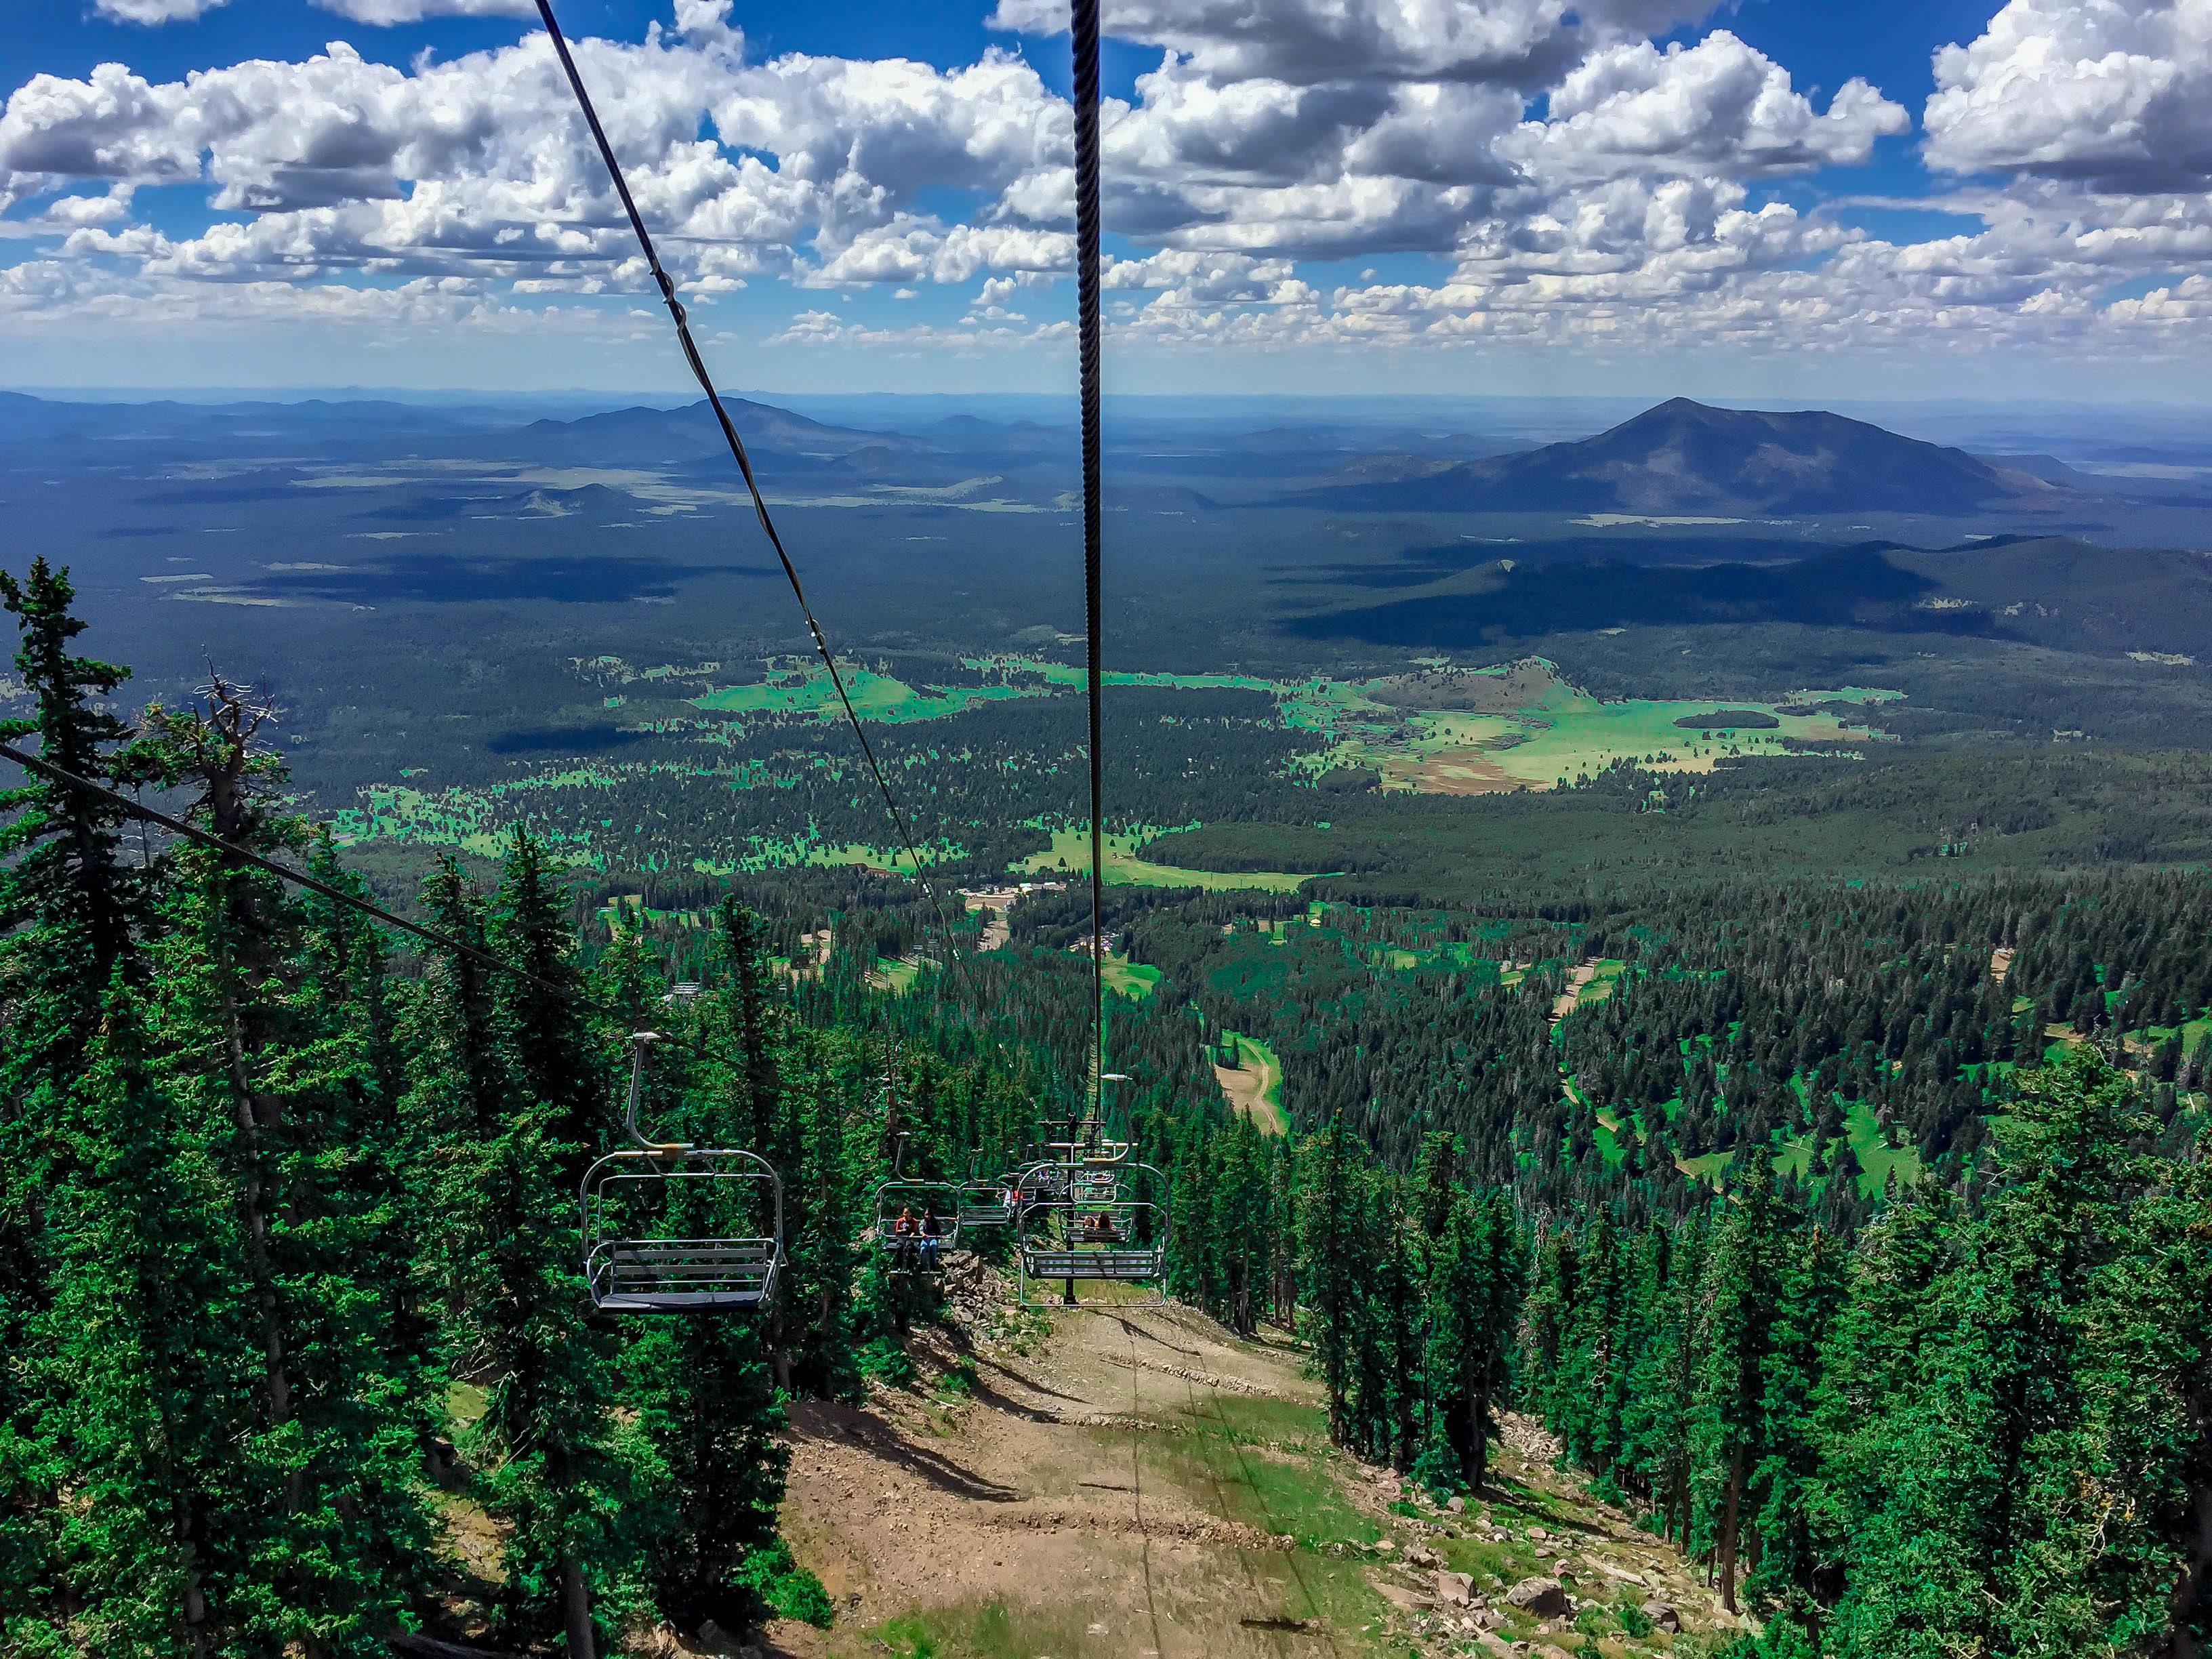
(887, 1362)
(781, 1589)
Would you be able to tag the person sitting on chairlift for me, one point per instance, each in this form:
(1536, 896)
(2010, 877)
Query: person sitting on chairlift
(932, 1242)
(1101, 1229)
(902, 1237)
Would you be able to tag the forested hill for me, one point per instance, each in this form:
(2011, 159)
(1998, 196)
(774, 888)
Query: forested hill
(1855, 1238)
(1683, 457)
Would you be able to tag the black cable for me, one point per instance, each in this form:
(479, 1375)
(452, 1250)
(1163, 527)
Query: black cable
(738, 450)
(189, 832)
(1083, 33)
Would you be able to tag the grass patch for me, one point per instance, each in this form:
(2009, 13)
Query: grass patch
(1133, 980)
(995, 1630)
(1264, 1463)
(1070, 855)
(1255, 1088)
(897, 977)
(1877, 1158)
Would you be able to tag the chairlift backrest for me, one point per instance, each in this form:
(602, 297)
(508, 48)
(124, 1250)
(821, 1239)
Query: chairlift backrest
(932, 1212)
(1091, 1231)
(671, 1227)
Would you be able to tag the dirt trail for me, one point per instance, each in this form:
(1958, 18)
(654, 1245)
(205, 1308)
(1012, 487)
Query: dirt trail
(1563, 1004)
(1033, 1508)
(995, 903)
(1127, 1479)
(1247, 1087)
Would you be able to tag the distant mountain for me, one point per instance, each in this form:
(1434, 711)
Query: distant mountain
(966, 432)
(643, 436)
(1683, 458)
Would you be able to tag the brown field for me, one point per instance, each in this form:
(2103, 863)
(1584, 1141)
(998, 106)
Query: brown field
(1449, 772)
(1521, 686)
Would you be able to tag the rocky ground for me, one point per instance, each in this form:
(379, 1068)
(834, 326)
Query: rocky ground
(1127, 1479)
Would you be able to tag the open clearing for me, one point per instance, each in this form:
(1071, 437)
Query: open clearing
(1128, 1480)
(1253, 1087)
(1069, 856)
(1451, 735)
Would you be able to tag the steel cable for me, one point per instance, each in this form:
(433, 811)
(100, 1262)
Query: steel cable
(1083, 32)
(898, 819)
(46, 769)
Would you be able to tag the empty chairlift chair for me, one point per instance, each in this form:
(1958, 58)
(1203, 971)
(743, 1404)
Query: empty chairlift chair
(991, 1203)
(673, 1228)
(1102, 1236)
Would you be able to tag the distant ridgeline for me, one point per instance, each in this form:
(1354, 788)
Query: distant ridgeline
(1855, 1236)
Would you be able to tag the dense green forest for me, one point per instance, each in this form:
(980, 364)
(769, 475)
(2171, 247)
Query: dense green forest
(1852, 1235)
(289, 1248)
(1979, 1426)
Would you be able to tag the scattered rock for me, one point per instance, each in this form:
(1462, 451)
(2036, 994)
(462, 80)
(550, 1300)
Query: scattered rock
(1398, 1596)
(1458, 1505)
(1537, 1534)
(1455, 1589)
(1542, 1596)
(1661, 1616)
(1385, 1546)
(1489, 1618)
(1420, 1555)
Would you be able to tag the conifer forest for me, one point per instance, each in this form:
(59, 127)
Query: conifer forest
(1856, 1239)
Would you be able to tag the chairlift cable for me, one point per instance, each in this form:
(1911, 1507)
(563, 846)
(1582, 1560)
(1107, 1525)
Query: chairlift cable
(698, 367)
(1083, 33)
(298, 878)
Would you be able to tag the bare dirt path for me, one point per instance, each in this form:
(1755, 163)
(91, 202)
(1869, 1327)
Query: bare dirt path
(1563, 1004)
(1033, 1512)
(995, 903)
(1128, 1479)
(1248, 1089)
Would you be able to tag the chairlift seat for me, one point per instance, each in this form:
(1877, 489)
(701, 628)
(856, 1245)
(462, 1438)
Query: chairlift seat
(1122, 1239)
(686, 1275)
(1121, 1263)
(629, 1268)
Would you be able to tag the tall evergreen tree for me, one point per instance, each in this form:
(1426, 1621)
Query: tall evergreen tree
(1730, 1422)
(1332, 1263)
(72, 912)
(270, 1052)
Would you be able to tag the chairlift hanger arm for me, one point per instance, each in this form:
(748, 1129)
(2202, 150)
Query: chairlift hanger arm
(299, 878)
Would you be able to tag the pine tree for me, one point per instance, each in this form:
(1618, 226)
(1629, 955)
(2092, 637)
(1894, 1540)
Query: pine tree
(708, 1409)
(1472, 1295)
(541, 1006)
(1980, 1532)
(1332, 1261)
(71, 913)
(822, 1222)
(152, 1368)
(552, 1459)
(1730, 1426)
(273, 1060)
(67, 873)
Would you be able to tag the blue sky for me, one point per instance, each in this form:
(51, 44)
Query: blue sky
(1509, 196)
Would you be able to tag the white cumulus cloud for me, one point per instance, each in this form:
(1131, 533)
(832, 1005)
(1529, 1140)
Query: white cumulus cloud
(156, 11)
(2117, 96)
(387, 13)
